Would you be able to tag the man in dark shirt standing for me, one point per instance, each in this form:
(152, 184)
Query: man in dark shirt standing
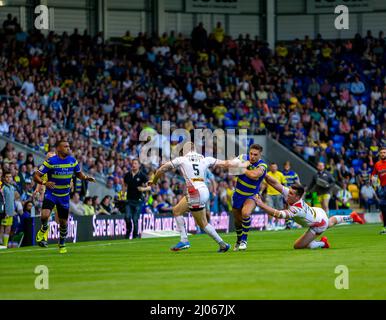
(323, 182)
(134, 184)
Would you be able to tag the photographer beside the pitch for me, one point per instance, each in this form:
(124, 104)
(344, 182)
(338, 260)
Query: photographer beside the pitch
(322, 183)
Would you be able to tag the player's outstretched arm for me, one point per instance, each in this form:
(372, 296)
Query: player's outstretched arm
(83, 176)
(281, 214)
(274, 183)
(234, 163)
(164, 168)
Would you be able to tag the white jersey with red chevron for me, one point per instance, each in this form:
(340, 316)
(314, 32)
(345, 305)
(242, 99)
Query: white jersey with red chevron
(193, 167)
(305, 215)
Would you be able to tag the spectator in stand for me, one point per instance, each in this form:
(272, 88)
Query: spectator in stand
(163, 205)
(199, 37)
(9, 191)
(228, 62)
(98, 207)
(343, 198)
(274, 198)
(364, 174)
(88, 208)
(107, 206)
(369, 196)
(257, 65)
(219, 34)
(76, 205)
(357, 87)
(313, 88)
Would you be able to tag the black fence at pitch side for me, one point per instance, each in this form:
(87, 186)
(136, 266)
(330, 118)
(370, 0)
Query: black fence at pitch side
(101, 227)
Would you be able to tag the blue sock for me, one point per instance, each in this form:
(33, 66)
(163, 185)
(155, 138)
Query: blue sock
(63, 234)
(246, 226)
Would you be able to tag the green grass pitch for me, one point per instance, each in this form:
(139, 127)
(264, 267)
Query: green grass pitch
(146, 269)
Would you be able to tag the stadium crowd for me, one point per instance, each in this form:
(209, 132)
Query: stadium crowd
(323, 99)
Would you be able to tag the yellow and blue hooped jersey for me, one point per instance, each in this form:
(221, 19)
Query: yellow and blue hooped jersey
(78, 185)
(246, 186)
(60, 171)
(291, 177)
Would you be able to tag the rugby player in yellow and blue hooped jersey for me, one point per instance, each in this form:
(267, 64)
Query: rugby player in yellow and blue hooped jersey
(59, 169)
(248, 184)
(291, 176)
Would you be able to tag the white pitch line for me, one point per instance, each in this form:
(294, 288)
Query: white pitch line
(75, 247)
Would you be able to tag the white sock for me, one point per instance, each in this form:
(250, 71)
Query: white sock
(180, 221)
(316, 244)
(212, 233)
(342, 219)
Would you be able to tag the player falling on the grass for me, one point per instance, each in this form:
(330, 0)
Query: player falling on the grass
(248, 184)
(59, 169)
(312, 217)
(193, 165)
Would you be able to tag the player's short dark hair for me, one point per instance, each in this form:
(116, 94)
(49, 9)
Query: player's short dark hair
(273, 163)
(299, 188)
(287, 162)
(382, 148)
(136, 159)
(256, 147)
(57, 144)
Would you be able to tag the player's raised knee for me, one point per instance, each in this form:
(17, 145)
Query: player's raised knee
(245, 214)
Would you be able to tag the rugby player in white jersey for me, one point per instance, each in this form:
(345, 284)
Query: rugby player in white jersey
(312, 217)
(193, 166)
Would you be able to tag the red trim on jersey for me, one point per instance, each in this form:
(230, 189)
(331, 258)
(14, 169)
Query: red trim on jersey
(319, 224)
(192, 190)
(298, 204)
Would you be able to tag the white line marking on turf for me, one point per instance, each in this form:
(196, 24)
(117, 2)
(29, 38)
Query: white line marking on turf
(75, 247)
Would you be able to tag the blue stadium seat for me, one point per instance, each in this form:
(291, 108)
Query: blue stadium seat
(335, 123)
(228, 123)
(337, 146)
(357, 163)
(338, 139)
(228, 115)
(350, 153)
